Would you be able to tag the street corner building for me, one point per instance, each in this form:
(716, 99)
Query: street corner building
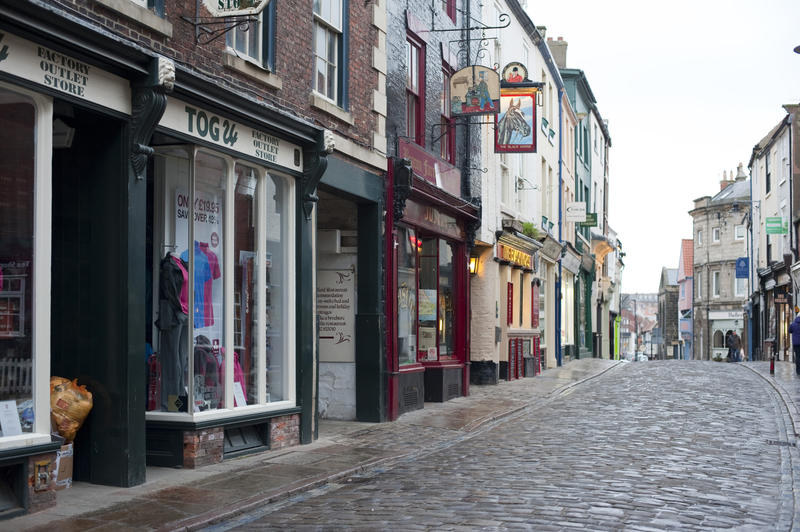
(180, 205)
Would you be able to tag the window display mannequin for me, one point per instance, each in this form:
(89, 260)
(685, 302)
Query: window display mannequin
(172, 323)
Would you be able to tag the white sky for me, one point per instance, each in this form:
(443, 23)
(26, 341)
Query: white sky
(688, 88)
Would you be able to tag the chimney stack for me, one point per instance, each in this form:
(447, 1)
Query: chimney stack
(740, 175)
(725, 181)
(559, 50)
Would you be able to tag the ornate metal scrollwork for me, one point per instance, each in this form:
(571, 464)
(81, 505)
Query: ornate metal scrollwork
(403, 185)
(149, 100)
(316, 164)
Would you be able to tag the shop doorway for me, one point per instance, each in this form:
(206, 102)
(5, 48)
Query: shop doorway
(89, 275)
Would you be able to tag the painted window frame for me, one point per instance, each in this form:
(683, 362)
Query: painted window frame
(415, 89)
(449, 9)
(289, 292)
(715, 234)
(42, 263)
(447, 142)
(736, 230)
(740, 287)
(341, 78)
(265, 29)
(715, 284)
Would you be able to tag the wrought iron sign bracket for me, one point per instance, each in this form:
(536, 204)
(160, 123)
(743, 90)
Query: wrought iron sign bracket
(209, 29)
(456, 122)
(503, 17)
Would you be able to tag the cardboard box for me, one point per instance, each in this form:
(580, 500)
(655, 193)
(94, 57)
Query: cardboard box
(63, 469)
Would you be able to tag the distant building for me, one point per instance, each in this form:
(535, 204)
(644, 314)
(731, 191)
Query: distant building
(719, 240)
(685, 290)
(668, 314)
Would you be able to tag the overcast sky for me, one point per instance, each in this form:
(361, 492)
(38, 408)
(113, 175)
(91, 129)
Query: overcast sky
(688, 88)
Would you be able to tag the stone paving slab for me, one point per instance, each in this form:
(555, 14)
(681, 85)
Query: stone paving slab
(175, 499)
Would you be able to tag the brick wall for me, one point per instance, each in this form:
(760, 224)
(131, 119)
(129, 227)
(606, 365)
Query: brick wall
(293, 58)
(203, 447)
(284, 431)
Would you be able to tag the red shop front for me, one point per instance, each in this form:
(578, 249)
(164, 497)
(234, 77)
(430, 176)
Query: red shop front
(427, 283)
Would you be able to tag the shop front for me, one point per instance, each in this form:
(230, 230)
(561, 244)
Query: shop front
(570, 287)
(228, 287)
(520, 345)
(722, 325)
(776, 313)
(547, 272)
(63, 232)
(427, 295)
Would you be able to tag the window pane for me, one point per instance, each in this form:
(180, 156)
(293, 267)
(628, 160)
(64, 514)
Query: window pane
(446, 300)
(411, 119)
(254, 42)
(277, 288)
(331, 91)
(170, 290)
(406, 296)
(245, 362)
(427, 299)
(320, 77)
(318, 7)
(17, 157)
(208, 313)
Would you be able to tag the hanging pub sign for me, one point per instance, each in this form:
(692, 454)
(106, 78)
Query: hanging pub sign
(514, 131)
(230, 8)
(475, 90)
(515, 73)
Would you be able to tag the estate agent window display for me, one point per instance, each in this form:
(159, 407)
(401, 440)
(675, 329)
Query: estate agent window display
(211, 357)
(426, 314)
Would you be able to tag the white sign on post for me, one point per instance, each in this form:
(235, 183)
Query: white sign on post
(229, 8)
(576, 211)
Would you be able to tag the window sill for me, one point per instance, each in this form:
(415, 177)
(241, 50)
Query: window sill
(318, 101)
(138, 14)
(251, 70)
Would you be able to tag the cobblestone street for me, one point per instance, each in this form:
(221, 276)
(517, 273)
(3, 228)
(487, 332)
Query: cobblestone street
(646, 446)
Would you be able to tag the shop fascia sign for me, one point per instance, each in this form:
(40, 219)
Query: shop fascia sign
(514, 255)
(576, 211)
(725, 315)
(207, 126)
(234, 8)
(63, 74)
(590, 221)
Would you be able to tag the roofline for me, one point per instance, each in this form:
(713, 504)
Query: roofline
(538, 40)
(758, 149)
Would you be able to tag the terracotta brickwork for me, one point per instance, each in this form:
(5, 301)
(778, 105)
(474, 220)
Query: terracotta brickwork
(284, 432)
(289, 86)
(203, 447)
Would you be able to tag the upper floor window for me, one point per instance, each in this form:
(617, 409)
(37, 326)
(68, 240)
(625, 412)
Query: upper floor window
(715, 234)
(447, 141)
(330, 70)
(699, 292)
(415, 90)
(699, 237)
(449, 9)
(738, 232)
(715, 284)
(255, 42)
(768, 174)
(741, 287)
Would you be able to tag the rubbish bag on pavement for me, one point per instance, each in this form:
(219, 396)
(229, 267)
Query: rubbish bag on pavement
(69, 406)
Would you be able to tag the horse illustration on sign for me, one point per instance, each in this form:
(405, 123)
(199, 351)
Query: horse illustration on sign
(514, 129)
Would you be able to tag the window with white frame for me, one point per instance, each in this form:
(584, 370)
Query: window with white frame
(255, 41)
(741, 287)
(328, 41)
(228, 343)
(698, 276)
(715, 289)
(25, 235)
(699, 237)
(738, 232)
(715, 234)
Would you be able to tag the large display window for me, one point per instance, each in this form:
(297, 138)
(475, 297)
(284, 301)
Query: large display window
(221, 338)
(25, 235)
(425, 298)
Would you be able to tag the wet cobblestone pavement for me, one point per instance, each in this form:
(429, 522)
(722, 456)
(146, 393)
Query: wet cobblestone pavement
(646, 446)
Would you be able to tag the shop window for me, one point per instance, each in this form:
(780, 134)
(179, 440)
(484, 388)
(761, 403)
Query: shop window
(425, 316)
(256, 42)
(330, 46)
(407, 249)
(719, 339)
(202, 294)
(25, 148)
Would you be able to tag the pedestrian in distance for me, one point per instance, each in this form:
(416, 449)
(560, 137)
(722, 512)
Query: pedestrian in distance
(794, 328)
(735, 345)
